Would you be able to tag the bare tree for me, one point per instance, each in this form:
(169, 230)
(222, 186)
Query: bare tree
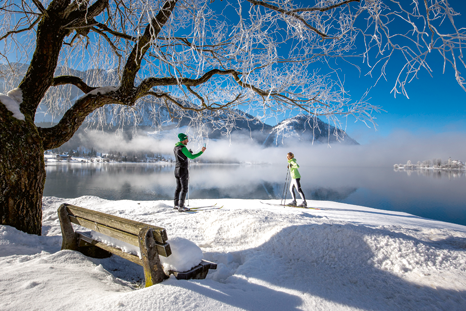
(199, 56)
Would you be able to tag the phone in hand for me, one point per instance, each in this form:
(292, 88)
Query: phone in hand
(204, 145)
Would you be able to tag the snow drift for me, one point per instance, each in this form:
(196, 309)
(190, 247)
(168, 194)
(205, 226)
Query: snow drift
(342, 257)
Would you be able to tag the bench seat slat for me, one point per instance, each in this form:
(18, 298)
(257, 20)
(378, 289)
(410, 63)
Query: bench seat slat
(111, 232)
(86, 241)
(163, 249)
(131, 226)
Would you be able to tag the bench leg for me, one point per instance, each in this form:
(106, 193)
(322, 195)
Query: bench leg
(69, 238)
(153, 271)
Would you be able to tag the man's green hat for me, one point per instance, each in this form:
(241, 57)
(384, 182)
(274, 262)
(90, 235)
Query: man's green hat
(182, 136)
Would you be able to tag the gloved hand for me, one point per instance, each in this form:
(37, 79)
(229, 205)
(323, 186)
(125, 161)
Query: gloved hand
(190, 151)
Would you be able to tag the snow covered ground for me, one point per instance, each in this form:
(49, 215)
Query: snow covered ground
(342, 257)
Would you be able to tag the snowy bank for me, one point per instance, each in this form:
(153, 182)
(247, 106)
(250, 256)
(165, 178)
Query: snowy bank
(342, 257)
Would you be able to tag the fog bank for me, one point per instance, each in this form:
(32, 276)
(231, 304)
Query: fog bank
(397, 148)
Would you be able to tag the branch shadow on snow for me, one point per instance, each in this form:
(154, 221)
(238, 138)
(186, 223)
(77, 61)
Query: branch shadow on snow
(316, 265)
(340, 264)
(369, 212)
(238, 291)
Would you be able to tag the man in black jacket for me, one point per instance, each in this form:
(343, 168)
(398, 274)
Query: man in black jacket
(181, 170)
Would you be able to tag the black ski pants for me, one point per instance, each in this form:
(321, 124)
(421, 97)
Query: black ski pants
(296, 183)
(182, 179)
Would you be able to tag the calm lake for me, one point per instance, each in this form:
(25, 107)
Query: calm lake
(435, 195)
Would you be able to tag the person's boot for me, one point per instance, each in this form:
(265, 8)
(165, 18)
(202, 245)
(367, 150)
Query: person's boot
(292, 203)
(182, 208)
(175, 204)
(304, 204)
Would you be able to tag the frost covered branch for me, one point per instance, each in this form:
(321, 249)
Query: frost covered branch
(267, 58)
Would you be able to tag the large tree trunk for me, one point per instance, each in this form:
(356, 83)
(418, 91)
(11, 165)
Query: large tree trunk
(22, 173)
(22, 168)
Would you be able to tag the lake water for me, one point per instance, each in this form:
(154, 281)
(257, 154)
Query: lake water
(435, 195)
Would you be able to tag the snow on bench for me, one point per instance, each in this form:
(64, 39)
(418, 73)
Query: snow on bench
(151, 241)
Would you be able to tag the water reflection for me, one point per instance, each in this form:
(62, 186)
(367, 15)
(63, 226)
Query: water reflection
(433, 173)
(152, 182)
(115, 182)
(432, 194)
(327, 194)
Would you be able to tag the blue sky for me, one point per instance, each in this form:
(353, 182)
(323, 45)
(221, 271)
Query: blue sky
(436, 104)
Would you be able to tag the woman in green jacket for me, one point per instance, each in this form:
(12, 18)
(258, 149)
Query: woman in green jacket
(295, 180)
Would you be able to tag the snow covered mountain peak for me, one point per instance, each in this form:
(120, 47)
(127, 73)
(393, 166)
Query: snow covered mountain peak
(306, 129)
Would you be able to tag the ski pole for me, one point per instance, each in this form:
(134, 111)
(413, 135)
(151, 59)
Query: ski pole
(283, 191)
(287, 185)
(284, 188)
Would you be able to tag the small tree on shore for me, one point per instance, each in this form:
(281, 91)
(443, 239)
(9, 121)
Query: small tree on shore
(196, 58)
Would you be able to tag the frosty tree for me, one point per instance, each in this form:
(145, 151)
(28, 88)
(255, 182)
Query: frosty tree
(199, 56)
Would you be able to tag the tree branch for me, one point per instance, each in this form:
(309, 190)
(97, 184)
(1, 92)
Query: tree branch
(79, 18)
(151, 82)
(40, 7)
(197, 95)
(114, 48)
(147, 84)
(184, 107)
(133, 63)
(78, 82)
(115, 33)
(166, 96)
(56, 136)
(71, 8)
(324, 9)
(293, 13)
(21, 30)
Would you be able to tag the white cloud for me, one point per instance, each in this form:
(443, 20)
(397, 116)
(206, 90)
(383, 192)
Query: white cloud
(396, 148)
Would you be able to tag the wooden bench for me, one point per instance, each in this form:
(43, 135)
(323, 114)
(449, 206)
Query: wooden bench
(151, 240)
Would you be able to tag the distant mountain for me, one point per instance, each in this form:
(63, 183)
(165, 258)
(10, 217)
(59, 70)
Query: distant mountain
(236, 123)
(306, 129)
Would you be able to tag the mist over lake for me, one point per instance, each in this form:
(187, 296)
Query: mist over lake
(435, 195)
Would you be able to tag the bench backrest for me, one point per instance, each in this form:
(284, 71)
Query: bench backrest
(123, 229)
(151, 240)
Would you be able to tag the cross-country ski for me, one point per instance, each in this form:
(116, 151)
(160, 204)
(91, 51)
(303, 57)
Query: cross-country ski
(205, 206)
(295, 206)
(199, 209)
